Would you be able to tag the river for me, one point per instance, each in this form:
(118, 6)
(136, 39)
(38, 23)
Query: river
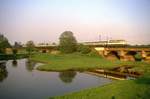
(20, 80)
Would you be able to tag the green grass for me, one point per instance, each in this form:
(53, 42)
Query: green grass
(77, 61)
(127, 89)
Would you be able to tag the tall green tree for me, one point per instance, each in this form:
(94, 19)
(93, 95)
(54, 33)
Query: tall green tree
(17, 45)
(67, 42)
(4, 43)
(30, 47)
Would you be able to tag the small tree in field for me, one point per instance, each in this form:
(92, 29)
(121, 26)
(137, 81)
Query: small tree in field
(67, 43)
(30, 47)
(4, 43)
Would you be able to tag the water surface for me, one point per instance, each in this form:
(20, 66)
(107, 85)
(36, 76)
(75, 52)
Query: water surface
(20, 80)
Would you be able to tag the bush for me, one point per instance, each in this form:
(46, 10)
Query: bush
(83, 49)
(15, 51)
(138, 57)
(94, 53)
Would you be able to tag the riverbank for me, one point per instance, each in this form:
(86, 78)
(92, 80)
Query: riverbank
(12, 56)
(127, 89)
(77, 61)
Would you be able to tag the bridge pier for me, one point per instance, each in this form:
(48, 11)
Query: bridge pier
(143, 54)
(147, 59)
(111, 55)
(122, 55)
(105, 53)
(130, 58)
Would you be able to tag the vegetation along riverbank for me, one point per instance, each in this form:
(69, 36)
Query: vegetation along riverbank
(127, 89)
(80, 61)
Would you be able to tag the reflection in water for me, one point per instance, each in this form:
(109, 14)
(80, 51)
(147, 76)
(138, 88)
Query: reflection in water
(3, 71)
(22, 84)
(30, 65)
(14, 63)
(67, 76)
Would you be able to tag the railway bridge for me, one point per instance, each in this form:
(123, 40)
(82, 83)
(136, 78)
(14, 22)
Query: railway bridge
(46, 49)
(124, 53)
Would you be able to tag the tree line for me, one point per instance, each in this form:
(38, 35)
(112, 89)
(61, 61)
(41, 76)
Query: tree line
(67, 44)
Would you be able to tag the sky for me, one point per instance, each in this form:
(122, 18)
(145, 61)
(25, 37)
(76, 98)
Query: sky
(45, 20)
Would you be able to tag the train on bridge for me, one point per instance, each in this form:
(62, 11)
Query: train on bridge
(109, 43)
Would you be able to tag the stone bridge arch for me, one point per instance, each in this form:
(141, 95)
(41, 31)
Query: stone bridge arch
(130, 55)
(148, 54)
(113, 55)
(125, 54)
(44, 50)
(147, 57)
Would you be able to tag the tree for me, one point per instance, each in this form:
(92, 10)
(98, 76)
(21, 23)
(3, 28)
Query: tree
(53, 43)
(67, 42)
(30, 47)
(3, 43)
(17, 45)
(15, 51)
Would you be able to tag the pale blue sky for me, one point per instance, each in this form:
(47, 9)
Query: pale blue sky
(45, 20)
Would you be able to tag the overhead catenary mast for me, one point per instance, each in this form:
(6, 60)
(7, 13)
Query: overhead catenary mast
(99, 37)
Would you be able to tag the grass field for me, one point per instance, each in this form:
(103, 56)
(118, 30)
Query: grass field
(77, 61)
(127, 89)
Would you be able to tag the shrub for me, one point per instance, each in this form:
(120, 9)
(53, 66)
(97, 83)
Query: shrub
(83, 49)
(94, 53)
(15, 51)
(138, 57)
